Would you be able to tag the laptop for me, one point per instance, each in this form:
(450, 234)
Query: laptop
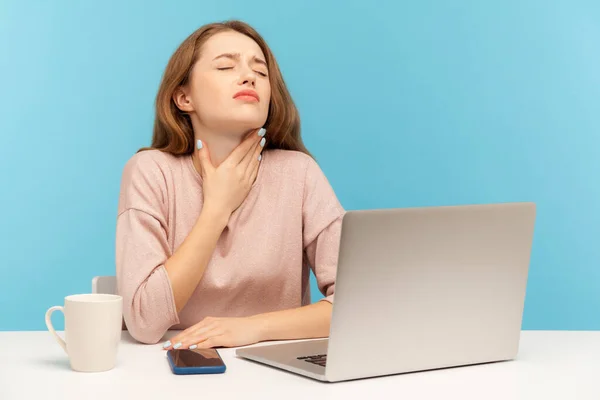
(419, 289)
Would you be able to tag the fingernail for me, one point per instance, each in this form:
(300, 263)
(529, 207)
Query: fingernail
(178, 345)
(194, 346)
(261, 132)
(259, 157)
(167, 344)
(199, 144)
(262, 142)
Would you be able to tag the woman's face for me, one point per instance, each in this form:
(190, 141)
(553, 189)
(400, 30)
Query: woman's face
(229, 87)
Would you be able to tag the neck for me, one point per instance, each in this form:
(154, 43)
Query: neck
(220, 143)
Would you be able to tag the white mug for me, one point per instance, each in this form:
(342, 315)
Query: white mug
(93, 325)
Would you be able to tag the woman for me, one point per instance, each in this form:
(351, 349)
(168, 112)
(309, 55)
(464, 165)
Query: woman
(221, 218)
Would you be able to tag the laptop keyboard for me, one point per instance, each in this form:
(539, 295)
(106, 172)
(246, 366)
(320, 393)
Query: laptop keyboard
(319, 359)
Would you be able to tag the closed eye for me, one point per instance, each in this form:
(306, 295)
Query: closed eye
(258, 72)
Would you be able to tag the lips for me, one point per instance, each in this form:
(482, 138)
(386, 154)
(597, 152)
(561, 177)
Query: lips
(248, 93)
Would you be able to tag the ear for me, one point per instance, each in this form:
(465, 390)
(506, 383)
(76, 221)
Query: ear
(182, 99)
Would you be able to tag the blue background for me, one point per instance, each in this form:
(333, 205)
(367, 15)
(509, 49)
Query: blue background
(403, 104)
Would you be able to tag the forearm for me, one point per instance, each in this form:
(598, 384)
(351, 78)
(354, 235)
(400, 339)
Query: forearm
(187, 265)
(311, 321)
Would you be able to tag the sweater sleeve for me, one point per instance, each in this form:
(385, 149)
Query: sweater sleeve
(322, 223)
(142, 249)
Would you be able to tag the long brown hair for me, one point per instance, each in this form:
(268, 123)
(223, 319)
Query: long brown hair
(173, 131)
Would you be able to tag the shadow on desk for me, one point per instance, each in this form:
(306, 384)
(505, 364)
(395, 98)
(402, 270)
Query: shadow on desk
(57, 363)
(127, 338)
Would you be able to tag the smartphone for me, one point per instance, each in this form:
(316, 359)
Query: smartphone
(197, 361)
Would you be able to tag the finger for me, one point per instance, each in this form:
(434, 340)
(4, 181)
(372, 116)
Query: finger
(192, 335)
(181, 336)
(240, 152)
(204, 157)
(254, 168)
(252, 154)
(198, 336)
(169, 344)
(254, 163)
(198, 342)
(212, 341)
(254, 157)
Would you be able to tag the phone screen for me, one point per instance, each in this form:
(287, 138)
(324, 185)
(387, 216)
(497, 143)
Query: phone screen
(196, 358)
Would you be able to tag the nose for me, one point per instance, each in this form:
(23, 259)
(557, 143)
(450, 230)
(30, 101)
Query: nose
(248, 77)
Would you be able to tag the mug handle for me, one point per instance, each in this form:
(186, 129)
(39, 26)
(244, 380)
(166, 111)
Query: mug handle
(60, 340)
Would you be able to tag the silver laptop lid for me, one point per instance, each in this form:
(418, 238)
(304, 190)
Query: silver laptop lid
(424, 288)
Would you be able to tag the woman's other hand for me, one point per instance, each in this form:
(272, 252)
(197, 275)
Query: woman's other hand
(218, 332)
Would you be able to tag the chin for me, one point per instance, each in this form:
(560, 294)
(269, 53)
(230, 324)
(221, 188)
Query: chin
(243, 125)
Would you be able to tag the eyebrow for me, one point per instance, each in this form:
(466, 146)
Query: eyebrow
(236, 57)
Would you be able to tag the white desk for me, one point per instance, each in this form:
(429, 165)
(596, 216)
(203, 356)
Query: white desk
(551, 365)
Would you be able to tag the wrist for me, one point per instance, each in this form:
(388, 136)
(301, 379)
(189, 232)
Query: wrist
(214, 217)
(261, 324)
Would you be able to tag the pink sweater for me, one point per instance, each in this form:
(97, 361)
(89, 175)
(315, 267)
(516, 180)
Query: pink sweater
(289, 222)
